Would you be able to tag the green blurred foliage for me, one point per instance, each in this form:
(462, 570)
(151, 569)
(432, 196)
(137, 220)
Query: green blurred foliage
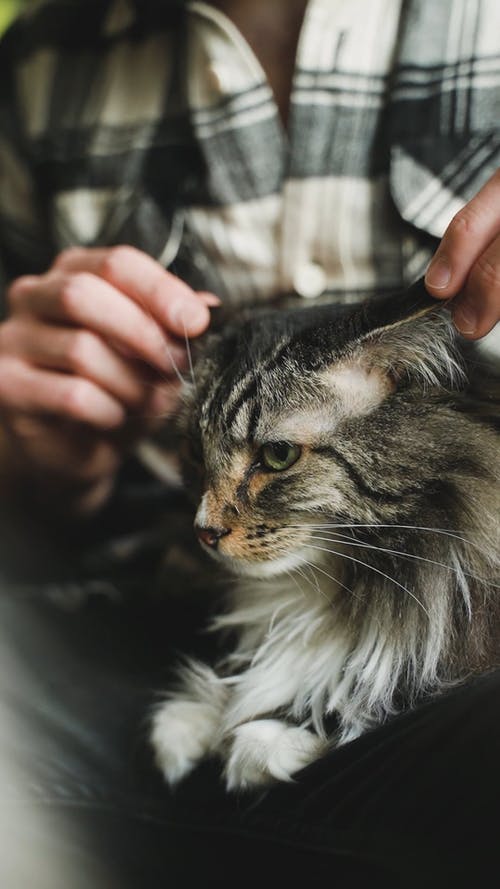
(9, 9)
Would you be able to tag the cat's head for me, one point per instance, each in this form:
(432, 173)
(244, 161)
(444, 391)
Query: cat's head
(318, 415)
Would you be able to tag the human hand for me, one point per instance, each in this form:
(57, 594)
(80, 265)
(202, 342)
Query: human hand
(89, 358)
(466, 264)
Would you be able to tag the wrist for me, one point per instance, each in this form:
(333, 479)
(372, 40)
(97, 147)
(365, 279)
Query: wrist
(43, 489)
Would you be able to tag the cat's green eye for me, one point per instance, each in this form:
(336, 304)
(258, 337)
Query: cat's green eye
(279, 455)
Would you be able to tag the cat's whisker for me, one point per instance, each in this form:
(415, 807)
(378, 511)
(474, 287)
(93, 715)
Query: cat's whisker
(174, 365)
(314, 568)
(402, 553)
(457, 535)
(354, 525)
(372, 568)
(292, 577)
(313, 580)
(189, 354)
(316, 585)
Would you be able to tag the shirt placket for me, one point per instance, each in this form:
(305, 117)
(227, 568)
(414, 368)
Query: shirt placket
(237, 127)
(302, 268)
(334, 193)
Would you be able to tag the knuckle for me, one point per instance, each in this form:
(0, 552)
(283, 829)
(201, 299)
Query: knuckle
(11, 300)
(80, 350)
(67, 256)
(464, 224)
(15, 296)
(82, 280)
(70, 296)
(67, 299)
(116, 258)
(12, 296)
(76, 399)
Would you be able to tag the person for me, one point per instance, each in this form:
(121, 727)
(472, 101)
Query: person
(158, 157)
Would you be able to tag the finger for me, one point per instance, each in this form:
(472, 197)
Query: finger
(92, 259)
(477, 309)
(81, 259)
(79, 352)
(470, 232)
(87, 301)
(171, 302)
(33, 391)
(162, 401)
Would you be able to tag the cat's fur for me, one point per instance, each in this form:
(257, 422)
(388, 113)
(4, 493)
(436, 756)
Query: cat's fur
(369, 570)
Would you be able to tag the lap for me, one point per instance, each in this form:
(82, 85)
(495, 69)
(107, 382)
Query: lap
(410, 801)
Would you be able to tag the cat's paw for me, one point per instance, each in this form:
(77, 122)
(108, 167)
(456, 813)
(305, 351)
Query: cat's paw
(268, 750)
(183, 732)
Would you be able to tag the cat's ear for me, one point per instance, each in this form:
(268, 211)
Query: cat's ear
(406, 337)
(409, 336)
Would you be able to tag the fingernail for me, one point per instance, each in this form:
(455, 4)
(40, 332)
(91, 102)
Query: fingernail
(439, 273)
(465, 318)
(188, 317)
(210, 300)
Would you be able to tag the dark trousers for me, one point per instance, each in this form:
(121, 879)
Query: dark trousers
(413, 803)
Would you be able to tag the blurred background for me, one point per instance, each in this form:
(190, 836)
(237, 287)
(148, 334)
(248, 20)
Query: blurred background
(39, 847)
(9, 9)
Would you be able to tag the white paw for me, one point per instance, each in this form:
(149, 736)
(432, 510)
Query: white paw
(266, 750)
(183, 733)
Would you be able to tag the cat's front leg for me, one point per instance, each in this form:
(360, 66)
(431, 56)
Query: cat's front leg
(186, 727)
(267, 750)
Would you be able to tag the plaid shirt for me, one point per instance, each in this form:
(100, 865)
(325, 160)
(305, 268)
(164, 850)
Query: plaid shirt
(153, 124)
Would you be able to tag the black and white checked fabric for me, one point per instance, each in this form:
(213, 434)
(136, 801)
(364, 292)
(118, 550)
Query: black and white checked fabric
(152, 123)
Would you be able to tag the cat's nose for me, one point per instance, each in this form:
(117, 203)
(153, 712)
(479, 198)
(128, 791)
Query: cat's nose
(211, 536)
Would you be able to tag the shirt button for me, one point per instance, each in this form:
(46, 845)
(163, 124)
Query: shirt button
(309, 280)
(220, 77)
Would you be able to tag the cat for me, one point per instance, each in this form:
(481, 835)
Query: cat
(347, 470)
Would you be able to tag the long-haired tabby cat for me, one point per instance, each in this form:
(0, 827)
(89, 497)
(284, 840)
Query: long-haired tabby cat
(348, 470)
